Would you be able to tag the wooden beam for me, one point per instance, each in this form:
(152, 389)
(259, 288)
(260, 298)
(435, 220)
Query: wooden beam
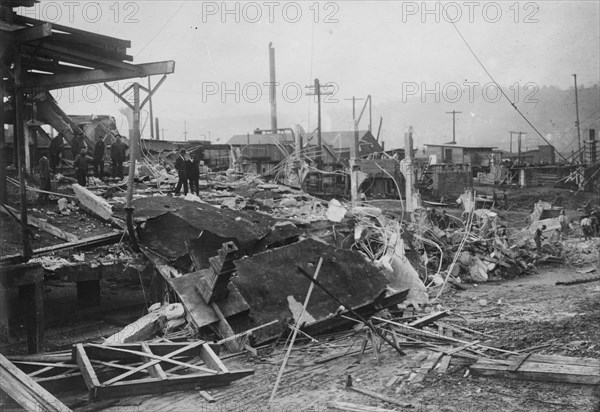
(99, 38)
(30, 33)
(59, 81)
(156, 371)
(42, 225)
(86, 368)
(25, 391)
(94, 59)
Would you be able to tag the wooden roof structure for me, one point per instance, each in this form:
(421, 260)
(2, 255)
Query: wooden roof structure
(54, 56)
(38, 56)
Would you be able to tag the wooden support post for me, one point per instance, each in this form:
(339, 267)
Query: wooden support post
(32, 298)
(3, 193)
(19, 138)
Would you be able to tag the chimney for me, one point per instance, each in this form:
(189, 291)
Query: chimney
(272, 89)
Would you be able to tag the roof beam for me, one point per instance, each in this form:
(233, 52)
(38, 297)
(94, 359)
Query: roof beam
(59, 81)
(30, 33)
(76, 32)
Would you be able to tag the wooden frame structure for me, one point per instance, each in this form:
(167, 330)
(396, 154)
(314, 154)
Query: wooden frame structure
(38, 56)
(165, 363)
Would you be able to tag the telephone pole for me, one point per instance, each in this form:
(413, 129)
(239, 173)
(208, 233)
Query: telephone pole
(518, 143)
(185, 132)
(453, 113)
(318, 92)
(511, 135)
(354, 99)
(577, 121)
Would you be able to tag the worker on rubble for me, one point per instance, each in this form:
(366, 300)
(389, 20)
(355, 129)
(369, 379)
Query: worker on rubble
(55, 150)
(192, 172)
(117, 156)
(77, 144)
(180, 167)
(586, 227)
(495, 198)
(44, 165)
(99, 149)
(538, 238)
(81, 166)
(562, 220)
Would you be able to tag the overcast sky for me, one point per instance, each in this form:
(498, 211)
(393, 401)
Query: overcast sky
(382, 48)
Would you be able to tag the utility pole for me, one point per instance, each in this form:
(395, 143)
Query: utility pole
(511, 135)
(354, 99)
(151, 113)
(134, 146)
(518, 143)
(185, 132)
(318, 92)
(453, 113)
(577, 121)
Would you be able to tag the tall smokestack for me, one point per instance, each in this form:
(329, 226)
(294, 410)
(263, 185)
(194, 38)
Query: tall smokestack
(272, 89)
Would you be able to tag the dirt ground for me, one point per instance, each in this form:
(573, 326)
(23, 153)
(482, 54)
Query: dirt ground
(520, 314)
(526, 313)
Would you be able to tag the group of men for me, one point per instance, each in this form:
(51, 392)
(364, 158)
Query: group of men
(82, 160)
(189, 169)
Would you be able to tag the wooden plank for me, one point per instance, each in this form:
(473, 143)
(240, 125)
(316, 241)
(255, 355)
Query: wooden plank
(59, 81)
(207, 396)
(42, 225)
(155, 370)
(94, 203)
(224, 330)
(429, 319)
(355, 407)
(538, 371)
(463, 347)
(86, 368)
(211, 359)
(133, 352)
(518, 362)
(150, 386)
(29, 394)
(444, 364)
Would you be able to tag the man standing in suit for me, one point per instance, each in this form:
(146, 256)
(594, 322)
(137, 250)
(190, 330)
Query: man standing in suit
(193, 173)
(180, 167)
(81, 166)
(117, 156)
(99, 149)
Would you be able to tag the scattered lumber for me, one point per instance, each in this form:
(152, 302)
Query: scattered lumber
(426, 320)
(150, 358)
(41, 224)
(27, 393)
(94, 203)
(545, 368)
(354, 407)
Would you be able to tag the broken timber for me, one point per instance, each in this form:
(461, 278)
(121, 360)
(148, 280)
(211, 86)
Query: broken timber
(95, 204)
(548, 368)
(27, 393)
(42, 225)
(154, 357)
